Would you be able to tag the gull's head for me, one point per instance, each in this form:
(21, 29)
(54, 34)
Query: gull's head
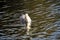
(26, 13)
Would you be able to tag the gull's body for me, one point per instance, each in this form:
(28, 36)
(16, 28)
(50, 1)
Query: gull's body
(25, 19)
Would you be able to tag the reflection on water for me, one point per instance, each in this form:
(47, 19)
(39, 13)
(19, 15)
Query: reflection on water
(45, 15)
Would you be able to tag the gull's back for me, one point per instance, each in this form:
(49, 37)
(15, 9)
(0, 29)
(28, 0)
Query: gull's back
(22, 19)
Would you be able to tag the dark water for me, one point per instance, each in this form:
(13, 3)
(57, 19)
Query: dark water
(45, 15)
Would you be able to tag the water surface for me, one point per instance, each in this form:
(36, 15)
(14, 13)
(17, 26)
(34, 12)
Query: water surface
(45, 15)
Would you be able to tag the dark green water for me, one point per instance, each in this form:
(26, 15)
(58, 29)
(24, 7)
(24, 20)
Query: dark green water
(45, 15)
